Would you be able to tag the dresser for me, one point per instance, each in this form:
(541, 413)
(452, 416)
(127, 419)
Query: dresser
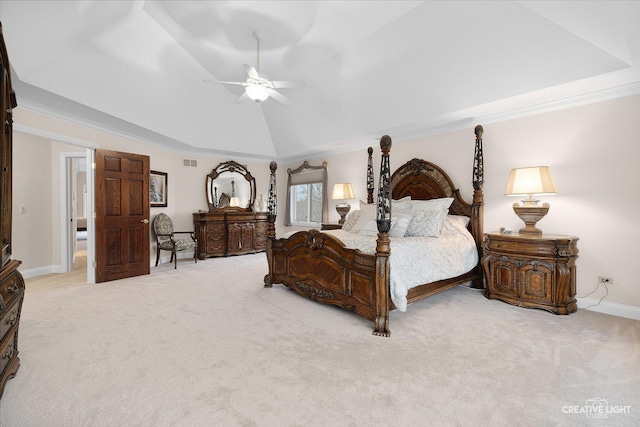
(229, 232)
(11, 297)
(11, 281)
(531, 271)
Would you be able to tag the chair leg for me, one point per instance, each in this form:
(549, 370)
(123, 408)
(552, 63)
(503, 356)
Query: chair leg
(175, 260)
(157, 255)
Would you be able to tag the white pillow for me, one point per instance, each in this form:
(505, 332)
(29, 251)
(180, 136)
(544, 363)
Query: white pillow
(462, 219)
(367, 220)
(404, 203)
(367, 214)
(423, 205)
(400, 219)
(427, 223)
(351, 220)
(370, 228)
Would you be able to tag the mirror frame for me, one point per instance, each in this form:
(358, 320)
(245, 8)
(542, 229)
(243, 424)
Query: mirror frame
(229, 167)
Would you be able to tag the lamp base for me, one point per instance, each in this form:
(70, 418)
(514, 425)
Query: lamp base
(343, 210)
(531, 215)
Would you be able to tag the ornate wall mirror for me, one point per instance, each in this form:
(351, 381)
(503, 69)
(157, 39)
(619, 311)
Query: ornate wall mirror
(230, 186)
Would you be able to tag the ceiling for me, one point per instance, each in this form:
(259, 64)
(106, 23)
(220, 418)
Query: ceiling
(404, 68)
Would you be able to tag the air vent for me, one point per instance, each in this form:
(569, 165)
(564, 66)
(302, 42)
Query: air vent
(190, 163)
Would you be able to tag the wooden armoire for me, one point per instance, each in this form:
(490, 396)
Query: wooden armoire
(11, 281)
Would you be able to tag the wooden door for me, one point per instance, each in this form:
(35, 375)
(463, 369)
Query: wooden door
(122, 215)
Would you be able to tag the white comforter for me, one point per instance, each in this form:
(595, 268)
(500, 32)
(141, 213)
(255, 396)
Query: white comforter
(415, 261)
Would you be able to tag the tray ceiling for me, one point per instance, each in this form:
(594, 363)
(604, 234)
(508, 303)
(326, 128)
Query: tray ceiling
(406, 68)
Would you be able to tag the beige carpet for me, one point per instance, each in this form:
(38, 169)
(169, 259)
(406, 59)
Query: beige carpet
(207, 345)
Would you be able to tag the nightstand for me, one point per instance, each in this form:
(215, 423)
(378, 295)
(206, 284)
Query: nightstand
(531, 271)
(328, 226)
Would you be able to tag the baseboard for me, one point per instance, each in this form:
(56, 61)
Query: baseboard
(612, 308)
(41, 271)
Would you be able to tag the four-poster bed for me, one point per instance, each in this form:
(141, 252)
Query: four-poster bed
(319, 266)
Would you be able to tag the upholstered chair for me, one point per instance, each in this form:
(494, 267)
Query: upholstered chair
(163, 229)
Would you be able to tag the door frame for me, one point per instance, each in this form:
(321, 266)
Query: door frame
(90, 153)
(67, 236)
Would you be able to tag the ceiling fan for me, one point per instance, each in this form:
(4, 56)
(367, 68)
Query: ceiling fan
(259, 88)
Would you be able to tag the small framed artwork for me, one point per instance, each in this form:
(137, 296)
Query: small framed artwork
(158, 189)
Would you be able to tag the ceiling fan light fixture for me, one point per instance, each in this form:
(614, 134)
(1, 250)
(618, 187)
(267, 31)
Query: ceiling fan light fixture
(258, 93)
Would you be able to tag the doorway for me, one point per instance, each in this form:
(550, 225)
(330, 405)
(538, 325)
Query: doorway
(78, 235)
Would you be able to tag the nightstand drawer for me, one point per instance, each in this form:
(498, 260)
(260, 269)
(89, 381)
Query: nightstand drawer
(531, 248)
(329, 226)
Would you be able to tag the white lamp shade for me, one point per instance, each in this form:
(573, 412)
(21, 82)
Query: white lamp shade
(532, 180)
(342, 191)
(234, 202)
(257, 92)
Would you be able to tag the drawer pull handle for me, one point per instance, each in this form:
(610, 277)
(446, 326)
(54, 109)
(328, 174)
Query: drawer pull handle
(14, 316)
(12, 287)
(9, 353)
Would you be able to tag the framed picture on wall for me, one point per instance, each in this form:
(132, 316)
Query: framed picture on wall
(158, 189)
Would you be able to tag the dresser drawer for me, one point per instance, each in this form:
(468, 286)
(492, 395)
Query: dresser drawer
(8, 350)
(9, 317)
(11, 290)
(215, 229)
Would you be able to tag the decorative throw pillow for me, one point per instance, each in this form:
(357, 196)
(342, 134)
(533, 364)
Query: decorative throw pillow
(400, 219)
(351, 220)
(427, 223)
(423, 205)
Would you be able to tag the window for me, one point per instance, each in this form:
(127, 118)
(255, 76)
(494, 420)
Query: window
(307, 202)
(307, 195)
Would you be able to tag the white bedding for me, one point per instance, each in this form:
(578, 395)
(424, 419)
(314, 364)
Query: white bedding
(415, 261)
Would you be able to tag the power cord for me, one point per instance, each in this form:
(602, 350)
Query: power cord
(595, 290)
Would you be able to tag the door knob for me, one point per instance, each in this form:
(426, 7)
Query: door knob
(145, 221)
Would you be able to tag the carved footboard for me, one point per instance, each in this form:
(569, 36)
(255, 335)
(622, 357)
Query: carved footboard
(320, 267)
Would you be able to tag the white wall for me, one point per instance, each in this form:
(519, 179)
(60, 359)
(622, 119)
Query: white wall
(593, 152)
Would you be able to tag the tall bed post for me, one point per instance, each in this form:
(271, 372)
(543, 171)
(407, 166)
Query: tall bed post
(383, 248)
(370, 176)
(478, 201)
(272, 210)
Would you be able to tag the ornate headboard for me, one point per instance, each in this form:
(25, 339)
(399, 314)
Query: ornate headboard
(424, 180)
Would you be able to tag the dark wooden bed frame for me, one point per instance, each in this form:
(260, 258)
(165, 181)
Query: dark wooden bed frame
(320, 267)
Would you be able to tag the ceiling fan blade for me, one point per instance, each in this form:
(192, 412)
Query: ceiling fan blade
(251, 72)
(287, 85)
(277, 96)
(242, 98)
(234, 83)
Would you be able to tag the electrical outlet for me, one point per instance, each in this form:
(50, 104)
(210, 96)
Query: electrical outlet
(605, 279)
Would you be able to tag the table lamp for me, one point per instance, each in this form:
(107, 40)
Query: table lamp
(529, 181)
(342, 191)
